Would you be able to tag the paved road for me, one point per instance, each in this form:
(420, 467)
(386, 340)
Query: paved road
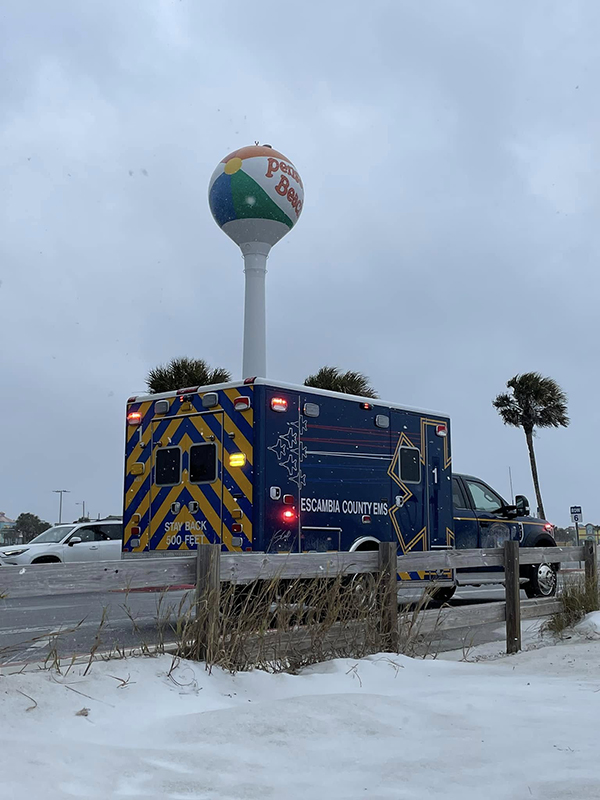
(31, 629)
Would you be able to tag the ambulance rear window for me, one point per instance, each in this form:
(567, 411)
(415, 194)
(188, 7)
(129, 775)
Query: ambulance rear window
(410, 465)
(168, 466)
(203, 463)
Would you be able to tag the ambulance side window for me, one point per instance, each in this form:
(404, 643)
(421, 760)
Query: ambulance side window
(410, 465)
(203, 463)
(168, 466)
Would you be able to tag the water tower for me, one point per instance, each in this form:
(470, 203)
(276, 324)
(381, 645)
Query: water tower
(256, 196)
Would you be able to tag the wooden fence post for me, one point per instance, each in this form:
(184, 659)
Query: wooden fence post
(388, 595)
(208, 586)
(591, 568)
(513, 596)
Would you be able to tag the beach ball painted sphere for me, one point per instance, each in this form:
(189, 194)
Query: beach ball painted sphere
(256, 195)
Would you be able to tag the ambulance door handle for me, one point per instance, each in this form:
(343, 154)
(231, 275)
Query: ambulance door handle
(435, 474)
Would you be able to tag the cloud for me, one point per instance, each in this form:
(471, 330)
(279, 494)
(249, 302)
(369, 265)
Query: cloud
(448, 239)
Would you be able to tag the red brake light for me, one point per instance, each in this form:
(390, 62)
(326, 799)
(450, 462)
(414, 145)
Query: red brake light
(441, 430)
(366, 406)
(549, 527)
(279, 404)
(136, 530)
(289, 515)
(134, 418)
(237, 527)
(241, 403)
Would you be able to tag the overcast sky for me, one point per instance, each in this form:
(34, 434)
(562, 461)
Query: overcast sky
(450, 235)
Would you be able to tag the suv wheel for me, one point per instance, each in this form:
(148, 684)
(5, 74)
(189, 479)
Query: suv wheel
(542, 581)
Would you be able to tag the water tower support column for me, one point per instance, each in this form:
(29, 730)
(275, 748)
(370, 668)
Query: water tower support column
(254, 364)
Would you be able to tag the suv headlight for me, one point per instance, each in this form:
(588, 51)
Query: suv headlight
(8, 553)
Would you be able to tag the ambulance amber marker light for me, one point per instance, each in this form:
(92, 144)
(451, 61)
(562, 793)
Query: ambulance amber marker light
(134, 418)
(237, 459)
(279, 404)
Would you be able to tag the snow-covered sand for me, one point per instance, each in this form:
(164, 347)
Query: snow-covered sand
(382, 727)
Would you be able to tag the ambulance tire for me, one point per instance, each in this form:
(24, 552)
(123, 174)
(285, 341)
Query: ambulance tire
(246, 599)
(363, 593)
(443, 595)
(543, 580)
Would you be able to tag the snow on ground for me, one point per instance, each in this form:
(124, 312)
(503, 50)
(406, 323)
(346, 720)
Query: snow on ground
(381, 727)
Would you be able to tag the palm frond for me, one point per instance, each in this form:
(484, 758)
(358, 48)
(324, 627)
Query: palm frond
(334, 380)
(179, 373)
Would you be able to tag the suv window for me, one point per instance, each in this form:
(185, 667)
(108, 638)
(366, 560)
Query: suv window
(86, 534)
(114, 531)
(484, 499)
(458, 500)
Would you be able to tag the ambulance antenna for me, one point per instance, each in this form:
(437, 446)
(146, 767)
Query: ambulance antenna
(256, 197)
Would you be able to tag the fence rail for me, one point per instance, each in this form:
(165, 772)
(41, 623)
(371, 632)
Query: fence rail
(209, 567)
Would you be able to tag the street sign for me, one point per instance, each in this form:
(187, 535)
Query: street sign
(576, 515)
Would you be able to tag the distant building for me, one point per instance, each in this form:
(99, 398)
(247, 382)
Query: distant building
(6, 528)
(589, 532)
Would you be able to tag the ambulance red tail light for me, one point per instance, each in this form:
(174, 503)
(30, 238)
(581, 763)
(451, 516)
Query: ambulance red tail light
(549, 527)
(441, 430)
(241, 403)
(134, 418)
(279, 404)
(289, 515)
(366, 406)
(136, 530)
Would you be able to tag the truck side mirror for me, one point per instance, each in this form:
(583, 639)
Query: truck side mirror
(522, 504)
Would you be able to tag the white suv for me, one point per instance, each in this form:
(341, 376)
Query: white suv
(83, 541)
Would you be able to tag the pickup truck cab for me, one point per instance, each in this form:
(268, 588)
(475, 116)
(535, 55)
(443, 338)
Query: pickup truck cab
(483, 519)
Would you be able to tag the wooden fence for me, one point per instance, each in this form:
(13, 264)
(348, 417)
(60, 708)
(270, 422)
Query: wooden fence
(206, 570)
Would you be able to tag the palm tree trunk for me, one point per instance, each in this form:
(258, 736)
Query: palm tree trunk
(534, 473)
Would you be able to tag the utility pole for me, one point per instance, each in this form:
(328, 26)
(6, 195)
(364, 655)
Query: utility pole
(512, 493)
(83, 509)
(60, 492)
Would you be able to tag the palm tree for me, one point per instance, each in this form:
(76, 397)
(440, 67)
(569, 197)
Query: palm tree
(180, 373)
(535, 402)
(333, 379)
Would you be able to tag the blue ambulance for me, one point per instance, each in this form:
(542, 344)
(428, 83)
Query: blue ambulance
(262, 466)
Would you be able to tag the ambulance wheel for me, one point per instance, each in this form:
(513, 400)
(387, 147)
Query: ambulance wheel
(442, 595)
(543, 579)
(363, 592)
